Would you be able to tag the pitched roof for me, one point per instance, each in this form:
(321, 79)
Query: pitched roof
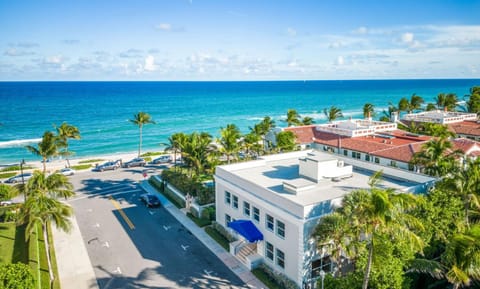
(466, 128)
(467, 146)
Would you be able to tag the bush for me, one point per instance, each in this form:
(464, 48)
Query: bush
(209, 213)
(7, 175)
(81, 167)
(148, 159)
(276, 279)
(16, 276)
(188, 185)
(15, 168)
(219, 238)
(199, 221)
(220, 229)
(149, 154)
(91, 161)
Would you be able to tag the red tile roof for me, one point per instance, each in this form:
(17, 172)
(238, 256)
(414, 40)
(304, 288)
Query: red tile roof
(466, 128)
(466, 145)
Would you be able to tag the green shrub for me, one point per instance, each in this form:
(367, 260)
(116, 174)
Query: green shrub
(219, 238)
(149, 154)
(16, 276)
(148, 159)
(91, 161)
(7, 175)
(273, 279)
(209, 213)
(15, 168)
(199, 221)
(185, 184)
(81, 167)
(220, 229)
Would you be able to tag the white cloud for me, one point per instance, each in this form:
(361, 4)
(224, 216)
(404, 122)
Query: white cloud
(164, 26)
(407, 37)
(56, 59)
(340, 61)
(149, 63)
(360, 30)
(291, 32)
(17, 52)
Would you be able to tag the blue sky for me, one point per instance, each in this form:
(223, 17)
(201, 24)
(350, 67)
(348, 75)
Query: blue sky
(238, 39)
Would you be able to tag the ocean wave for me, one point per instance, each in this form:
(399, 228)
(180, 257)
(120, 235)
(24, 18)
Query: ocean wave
(18, 142)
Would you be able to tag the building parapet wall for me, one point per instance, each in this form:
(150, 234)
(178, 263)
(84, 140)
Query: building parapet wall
(441, 117)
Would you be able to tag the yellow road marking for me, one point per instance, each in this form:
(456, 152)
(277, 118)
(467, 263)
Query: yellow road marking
(122, 213)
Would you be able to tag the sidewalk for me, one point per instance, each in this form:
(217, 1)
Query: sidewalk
(75, 270)
(230, 261)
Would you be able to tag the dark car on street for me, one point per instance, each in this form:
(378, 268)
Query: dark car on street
(108, 166)
(150, 200)
(136, 162)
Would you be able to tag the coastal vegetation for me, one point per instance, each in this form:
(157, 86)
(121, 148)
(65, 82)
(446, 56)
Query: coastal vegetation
(140, 119)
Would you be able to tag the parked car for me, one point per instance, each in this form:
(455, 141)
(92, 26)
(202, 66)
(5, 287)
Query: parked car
(136, 162)
(108, 166)
(18, 178)
(162, 159)
(6, 203)
(150, 200)
(67, 172)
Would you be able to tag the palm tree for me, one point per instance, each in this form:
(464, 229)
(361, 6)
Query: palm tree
(42, 207)
(285, 140)
(140, 119)
(387, 114)
(333, 113)
(174, 142)
(430, 106)
(368, 110)
(436, 157)
(462, 257)
(196, 150)
(251, 143)
(440, 100)
(293, 118)
(473, 103)
(307, 120)
(46, 148)
(229, 140)
(64, 132)
(446, 101)
(262, 128)
(437, 130)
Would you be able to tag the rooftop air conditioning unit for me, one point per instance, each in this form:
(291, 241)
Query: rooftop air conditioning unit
(340, 164)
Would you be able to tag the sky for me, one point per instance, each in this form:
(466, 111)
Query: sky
(238, 39)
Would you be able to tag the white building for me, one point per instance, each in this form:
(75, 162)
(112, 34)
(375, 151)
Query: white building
(284, 196)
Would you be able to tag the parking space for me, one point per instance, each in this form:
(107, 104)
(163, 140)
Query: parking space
(132, 246)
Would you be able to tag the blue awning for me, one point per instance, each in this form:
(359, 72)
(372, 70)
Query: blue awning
(247, 229)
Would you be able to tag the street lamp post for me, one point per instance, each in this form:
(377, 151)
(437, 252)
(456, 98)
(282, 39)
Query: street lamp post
(23, 181)
(322, 276)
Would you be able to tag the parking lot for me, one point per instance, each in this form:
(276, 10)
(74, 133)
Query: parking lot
(131, 246)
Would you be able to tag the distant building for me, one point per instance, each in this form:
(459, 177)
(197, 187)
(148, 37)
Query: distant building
(463, 124)
(273, 205)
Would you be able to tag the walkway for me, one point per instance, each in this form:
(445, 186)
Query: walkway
(74, 267)
(230, 261)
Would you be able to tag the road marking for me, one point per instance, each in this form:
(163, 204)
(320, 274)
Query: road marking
(89, 210)
(122, 213)
(117, 271)
(97, 225)
(108, 283)
(151, 213)
(106, 244)
(184, 247)
(91, 240)
(101, 194)
(166, 227)
(208, 272)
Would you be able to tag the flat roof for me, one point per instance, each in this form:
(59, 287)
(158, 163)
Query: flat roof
(271, 173)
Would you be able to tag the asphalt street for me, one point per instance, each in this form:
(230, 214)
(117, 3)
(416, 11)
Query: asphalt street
(131, 246)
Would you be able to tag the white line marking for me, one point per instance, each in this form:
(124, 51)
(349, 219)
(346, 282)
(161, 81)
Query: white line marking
(184, 247)
(166, 227)
(102, 194)
(97, 225)
(89, 210)
(208, 272)
(106, 245)
(118, 271)
(151, 213)
(108, 283)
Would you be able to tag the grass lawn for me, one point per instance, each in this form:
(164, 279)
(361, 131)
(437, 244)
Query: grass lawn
(13, 248)
(218, 237)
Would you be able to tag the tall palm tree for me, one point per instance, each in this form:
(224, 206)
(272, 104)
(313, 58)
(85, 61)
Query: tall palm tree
(436, 157)
(251, 143)
(46, 148)
(42, 207)
(368, 110)
(293, 118)
(196, 150)
(65, 132)
(229, 140)
(174, 144)
(262, 128)
(285, 140)
(332, 113)
(140, 119)
(307, 120)
(473, 102)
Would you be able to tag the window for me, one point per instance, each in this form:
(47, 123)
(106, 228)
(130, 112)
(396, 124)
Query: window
(367, 157)
(345, 152)
(269, 222)
(321, 264)
(377, 160)
(393, 163)
(235, 202)
(411, 167)
(280, 258)
(269, 251)
(359, 155)
(228, 197)
(356, 155)
(228, 219)
(281, 229)
(246, 209)
(256, 214)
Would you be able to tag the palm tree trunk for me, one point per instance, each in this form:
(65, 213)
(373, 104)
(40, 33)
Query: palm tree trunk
(47, 251)
(140, 143)
(44, 164)
(369, 266)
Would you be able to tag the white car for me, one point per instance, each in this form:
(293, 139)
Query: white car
(19, 178)
(162, 159)
(67, 172)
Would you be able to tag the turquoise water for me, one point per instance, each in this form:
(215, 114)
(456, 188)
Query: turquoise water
(101, 110)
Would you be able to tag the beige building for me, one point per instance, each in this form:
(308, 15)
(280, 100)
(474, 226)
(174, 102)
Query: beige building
(273, 205)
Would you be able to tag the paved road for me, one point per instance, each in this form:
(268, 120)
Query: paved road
(131, 246)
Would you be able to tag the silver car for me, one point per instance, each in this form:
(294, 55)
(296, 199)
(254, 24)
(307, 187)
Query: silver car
(108, 166)
(18, 178)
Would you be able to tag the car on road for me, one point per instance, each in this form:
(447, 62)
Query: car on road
(136, 162)
(67, 172)
(150, 200)
(6, 203)
(162, 159)
(19, 179)
(112, 165)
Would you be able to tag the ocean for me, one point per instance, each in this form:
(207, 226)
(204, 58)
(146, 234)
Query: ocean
(101, 110)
